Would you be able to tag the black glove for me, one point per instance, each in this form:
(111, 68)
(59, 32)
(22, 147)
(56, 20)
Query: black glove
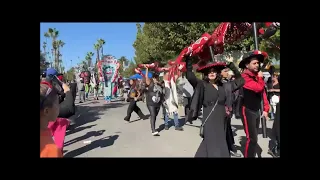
(233, 68)
(188, 63)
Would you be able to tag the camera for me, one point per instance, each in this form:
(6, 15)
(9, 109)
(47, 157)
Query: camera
(56, 84)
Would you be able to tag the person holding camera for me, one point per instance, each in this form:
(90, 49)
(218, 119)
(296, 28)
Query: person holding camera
(67, 107)
(133, 97)
(49, 110)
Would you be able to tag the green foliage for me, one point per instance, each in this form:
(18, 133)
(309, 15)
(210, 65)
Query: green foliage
(129, 71)
(163, 41)
(43, 63)
(122, 60)
(69, 75)
(269, 45)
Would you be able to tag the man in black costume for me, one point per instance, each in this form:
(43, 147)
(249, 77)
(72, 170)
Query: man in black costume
(253, 94)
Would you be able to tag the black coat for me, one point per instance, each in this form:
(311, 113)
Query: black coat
(214, 143)
(67, 107)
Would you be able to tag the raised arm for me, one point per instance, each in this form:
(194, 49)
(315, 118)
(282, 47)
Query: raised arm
(239, 80)
(191, 77)
(251, 84)
(148, 81)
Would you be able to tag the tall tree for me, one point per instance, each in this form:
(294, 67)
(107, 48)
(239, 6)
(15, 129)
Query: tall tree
(47, 36)
(122, 60)
(97, 47)
(59, 46)
(164, 41)
(129, 71)
(43, 62)
(54, 34)
(89, 58)
(101, 42)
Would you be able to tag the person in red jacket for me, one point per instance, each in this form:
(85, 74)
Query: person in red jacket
(253, 94)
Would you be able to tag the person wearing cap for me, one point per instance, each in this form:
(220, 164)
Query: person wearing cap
(154, 99)
(211, 94)
(253, 93)
(67, 108)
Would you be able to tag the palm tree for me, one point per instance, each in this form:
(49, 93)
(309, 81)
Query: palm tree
(101, 42)
(47, 36)
(59, 45)
(89, 58)
(44, 45)
(97, 48)
(84, 66)
(54, 33)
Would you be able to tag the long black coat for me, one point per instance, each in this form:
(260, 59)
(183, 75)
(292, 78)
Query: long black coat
(214, 143)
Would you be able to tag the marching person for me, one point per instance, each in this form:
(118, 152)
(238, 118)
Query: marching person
(185, 86)
(210, 94)
(226, 74)
(274, 144)
(154, 99)
(134, 95)
(274, 93)
(81, 90)
(253, 94)
(170, 102)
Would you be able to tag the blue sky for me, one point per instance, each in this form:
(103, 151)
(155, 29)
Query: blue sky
(80, 37)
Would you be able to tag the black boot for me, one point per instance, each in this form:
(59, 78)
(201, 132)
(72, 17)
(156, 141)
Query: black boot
(127, 118)
(142, 116)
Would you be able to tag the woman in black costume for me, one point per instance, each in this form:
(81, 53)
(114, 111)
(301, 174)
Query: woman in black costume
(207, 92)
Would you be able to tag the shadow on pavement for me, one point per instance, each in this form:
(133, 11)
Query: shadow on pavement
(79, 129)
(147, 118)
(86, 136)
(102, 143)
(242, 142)
(86, 114)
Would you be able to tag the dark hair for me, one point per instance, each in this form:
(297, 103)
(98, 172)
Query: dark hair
(218, 77)
(155, 75)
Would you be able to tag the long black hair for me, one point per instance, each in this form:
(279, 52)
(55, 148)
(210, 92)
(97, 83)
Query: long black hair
(218, 79)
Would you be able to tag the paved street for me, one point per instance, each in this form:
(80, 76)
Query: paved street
(100, 131)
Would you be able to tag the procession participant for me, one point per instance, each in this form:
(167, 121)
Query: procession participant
(274, 143)
(274, 93)
(134, 95)
(226, 73)
(253, 94)
(170, 103)
(185, 86)
(154, 99)
(210, 94)
(73, 88)
(49, 110)
(81, 91)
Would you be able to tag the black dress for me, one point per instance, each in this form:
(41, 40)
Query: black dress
(214, 143)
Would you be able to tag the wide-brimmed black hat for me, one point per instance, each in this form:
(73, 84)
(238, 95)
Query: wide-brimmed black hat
(216, 65)
(260, 56)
